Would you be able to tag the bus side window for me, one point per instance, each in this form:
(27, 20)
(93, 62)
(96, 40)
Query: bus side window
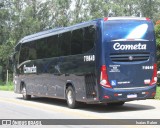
(76, 41)
(24, 53)
(89, 38)
(41, 48)
(32, 51)
(64, 41)
(52, 44)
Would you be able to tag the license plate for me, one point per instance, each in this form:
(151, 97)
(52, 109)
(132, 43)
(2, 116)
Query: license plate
(132, 96)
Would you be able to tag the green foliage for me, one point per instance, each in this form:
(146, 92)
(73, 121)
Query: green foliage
(158, 93)
(157, 32)
(6, 87)
(98, 9)
(62, 15)
(124, 7)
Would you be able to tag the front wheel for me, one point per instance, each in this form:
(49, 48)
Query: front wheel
(71, 98)
(24, 94)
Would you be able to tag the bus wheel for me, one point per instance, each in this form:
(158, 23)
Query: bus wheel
(71, 98)
(24, 93)
(115, 104)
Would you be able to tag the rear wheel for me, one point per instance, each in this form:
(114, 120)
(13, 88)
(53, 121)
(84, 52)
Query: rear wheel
(116, 104)
(24, 93)
(71, 98)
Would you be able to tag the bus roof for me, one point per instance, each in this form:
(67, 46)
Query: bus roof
(127, 18)
(51, 32)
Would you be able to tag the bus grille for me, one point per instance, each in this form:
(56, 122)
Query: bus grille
(90, 82)
(131, 57)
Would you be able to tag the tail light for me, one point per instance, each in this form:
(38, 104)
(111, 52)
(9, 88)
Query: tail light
(104, 77)
(154, 76)
(154, 93)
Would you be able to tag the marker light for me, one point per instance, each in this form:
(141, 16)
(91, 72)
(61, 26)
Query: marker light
(106, 97)
(104, 77)
(148, 19)
(154, 76)
(105, 19)
(154, 93)
(116, 94)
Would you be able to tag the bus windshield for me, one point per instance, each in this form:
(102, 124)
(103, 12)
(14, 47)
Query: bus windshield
(122, 30)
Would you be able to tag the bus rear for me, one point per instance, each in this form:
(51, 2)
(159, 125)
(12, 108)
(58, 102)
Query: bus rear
(128, 69)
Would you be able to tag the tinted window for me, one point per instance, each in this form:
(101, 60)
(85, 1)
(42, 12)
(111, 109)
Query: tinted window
(89, 38)
(42, 49)
(47, 47)
(28, 52)
(24, 53)
(52, 44)
(32, 55)
(127, 29)
(77, 41)
(65, 45)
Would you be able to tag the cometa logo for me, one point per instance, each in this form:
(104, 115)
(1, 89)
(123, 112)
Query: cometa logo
(118, 46)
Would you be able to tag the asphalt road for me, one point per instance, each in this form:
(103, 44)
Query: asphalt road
(12, 106)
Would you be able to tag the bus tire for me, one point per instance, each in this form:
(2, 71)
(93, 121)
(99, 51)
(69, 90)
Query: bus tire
(71, 98)
(24, 93)
(121, 103)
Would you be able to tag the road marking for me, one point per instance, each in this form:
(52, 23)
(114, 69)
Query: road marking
(52, 108)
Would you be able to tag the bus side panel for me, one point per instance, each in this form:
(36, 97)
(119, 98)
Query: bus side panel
(47, 76)
(79, 71)
(40, 77)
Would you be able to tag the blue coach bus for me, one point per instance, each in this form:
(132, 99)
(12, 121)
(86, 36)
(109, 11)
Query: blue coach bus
(109, 60)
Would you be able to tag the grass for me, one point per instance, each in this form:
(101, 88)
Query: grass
(6, 87)
(157, 93)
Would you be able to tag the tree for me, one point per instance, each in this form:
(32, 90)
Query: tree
(98, 9)
(60, 12)
(157, 32)
(79, 11)
(4, 36)
(18, 19)
(149, 8)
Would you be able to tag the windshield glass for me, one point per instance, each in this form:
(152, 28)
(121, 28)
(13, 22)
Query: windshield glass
(122, 30)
